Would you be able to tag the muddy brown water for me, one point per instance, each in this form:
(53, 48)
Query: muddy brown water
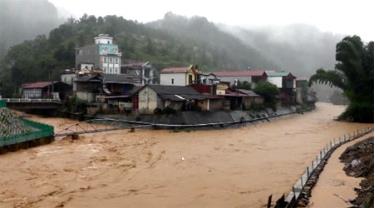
(237, 167)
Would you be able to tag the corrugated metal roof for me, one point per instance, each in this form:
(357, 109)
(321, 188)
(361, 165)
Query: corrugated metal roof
(277, 73)
(175, 70)
(34, 85)
(240, 73)
(248, 92)
(120, 78)
(175, 93)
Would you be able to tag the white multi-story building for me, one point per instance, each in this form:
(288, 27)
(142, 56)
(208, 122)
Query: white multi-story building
(104, 55)
(179, 76)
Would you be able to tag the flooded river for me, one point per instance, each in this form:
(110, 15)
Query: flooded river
(238, 167)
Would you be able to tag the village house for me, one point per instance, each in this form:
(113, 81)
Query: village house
(108, 90)
(152, 97)
(234, 76)
(144, 71)
(286, 82)
(207, 78)
(103, 55)
(227, 98)
(46, 89)
(68, 76)
(87, 87)
(251, 99)
(179, 76)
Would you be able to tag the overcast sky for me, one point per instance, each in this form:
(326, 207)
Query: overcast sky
(337, 16)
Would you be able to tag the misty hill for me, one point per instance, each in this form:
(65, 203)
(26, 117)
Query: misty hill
(24, 19)
(46, 57)
(301, 49)
(225, 49)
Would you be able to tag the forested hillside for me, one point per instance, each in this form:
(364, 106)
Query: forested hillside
(45, 57)
(214, 47)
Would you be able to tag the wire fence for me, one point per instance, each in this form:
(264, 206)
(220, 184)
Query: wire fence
(298, 188)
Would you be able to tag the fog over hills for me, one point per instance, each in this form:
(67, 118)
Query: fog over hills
(24, 19)
(298, 48)
(207, 35)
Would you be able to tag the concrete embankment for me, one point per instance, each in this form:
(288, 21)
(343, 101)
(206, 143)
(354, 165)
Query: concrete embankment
(191, 119)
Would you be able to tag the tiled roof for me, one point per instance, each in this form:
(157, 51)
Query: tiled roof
(248, 92)
(240, 73)
(38, 84)
(177, 93)
(175, 70)
(120, 78)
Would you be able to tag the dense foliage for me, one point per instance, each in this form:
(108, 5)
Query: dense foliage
(354, 74)
(45, 57)
(244, 85)
(268, 91)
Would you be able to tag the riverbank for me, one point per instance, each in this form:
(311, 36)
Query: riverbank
(234, 167)
(335, 188)
(359, 163)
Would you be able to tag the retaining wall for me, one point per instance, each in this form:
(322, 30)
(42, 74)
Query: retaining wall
(40, 131)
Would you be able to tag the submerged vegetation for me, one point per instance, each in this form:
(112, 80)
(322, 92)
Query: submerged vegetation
(354, 74)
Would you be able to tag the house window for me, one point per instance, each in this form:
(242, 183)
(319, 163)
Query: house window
(172, 81)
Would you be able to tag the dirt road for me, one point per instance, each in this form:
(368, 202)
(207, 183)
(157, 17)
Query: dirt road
(334, 187)
(215, 168)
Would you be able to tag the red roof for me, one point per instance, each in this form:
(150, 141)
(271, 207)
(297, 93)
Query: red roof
(37, 84)
(240, 73)
(175, 70)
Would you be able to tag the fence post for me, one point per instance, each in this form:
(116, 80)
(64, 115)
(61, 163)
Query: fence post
(308, 171)
(269, 201)
(301, 183)
(320, 154)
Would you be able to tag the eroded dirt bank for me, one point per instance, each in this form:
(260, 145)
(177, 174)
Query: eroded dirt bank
(216, 168)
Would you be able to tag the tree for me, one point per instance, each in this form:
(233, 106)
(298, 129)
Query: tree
(354, 74)
(268, 91)
(244, 85)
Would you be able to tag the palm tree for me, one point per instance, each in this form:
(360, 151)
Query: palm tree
(354, 74)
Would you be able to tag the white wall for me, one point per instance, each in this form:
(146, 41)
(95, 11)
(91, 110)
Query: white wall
(278, 81)
(68, 78)
(111, 65)
(103, 40)
(32, 93)
(179, 79)
(147, 100)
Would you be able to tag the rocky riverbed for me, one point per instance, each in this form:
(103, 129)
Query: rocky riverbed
(359, 162)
